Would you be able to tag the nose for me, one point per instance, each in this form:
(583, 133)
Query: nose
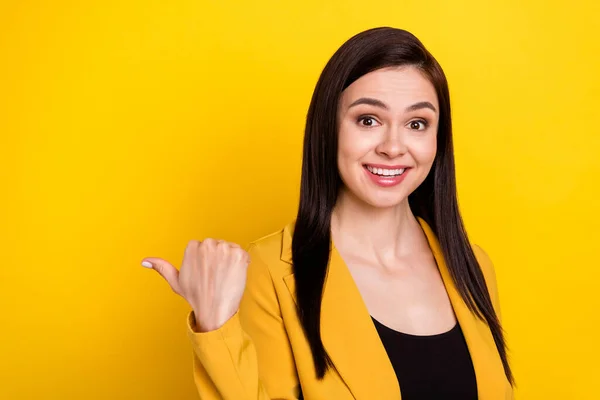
(393, 143)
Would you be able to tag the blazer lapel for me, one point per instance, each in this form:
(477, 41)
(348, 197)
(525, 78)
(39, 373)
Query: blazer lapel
(351, 339)
(348, 333)
(489, 372)
(353, 343)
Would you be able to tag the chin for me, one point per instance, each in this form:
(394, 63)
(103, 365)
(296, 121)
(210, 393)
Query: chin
(377, 197)
(384, 200)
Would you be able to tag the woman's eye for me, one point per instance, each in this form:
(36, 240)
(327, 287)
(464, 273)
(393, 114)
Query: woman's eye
(418, 125)
(367, 121)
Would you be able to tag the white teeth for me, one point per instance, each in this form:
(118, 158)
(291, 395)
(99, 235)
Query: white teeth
(385, 172)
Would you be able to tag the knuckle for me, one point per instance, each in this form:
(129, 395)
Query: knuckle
(241, 255)
(239, 252)
(192, 245)
(222, 249)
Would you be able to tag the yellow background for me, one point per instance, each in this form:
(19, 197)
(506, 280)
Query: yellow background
(130, 127)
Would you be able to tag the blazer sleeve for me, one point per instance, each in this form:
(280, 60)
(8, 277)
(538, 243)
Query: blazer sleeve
(249, 357)
(489, 273)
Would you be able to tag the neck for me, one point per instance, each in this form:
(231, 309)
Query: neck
(374, 232)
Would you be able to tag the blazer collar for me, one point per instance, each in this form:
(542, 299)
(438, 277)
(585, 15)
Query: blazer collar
(353, 343)
(286, 244)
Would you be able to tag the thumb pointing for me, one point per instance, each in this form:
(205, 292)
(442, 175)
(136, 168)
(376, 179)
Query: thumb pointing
(164, 269)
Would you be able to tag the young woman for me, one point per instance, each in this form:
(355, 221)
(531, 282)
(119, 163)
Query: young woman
(374, 292)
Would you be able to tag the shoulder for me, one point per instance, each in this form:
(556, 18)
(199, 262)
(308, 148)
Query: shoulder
(489, 274)
(485, 263)
(273, 251)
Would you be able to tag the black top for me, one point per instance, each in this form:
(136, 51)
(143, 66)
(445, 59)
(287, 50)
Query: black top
(430, 367)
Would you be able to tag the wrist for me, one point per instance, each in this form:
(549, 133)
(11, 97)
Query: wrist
(206, 322)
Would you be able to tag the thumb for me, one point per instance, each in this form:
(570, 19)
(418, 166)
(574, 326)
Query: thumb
(164, 269)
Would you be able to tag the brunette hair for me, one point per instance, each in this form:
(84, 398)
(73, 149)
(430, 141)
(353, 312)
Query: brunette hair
(435, 200)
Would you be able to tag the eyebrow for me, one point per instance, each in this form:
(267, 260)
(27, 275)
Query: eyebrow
(421, 105)
(370, 102)
(380, 104)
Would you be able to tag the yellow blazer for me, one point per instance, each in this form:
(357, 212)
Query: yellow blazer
(261, 352)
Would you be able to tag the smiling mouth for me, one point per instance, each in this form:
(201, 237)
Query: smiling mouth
(385, 171)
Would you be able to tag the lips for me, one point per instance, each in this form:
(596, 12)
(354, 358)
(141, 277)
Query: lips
(385, 171)
(386, 176)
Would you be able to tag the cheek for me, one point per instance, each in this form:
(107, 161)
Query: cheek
(426, 150)
(352, 145)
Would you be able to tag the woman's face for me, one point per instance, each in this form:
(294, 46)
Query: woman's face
(387, 127)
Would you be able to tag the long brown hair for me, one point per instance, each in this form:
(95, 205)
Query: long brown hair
(435, 200)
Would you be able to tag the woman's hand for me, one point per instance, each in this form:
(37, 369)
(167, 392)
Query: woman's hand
(211, 279)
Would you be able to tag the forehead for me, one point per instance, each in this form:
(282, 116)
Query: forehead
(395, 86)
